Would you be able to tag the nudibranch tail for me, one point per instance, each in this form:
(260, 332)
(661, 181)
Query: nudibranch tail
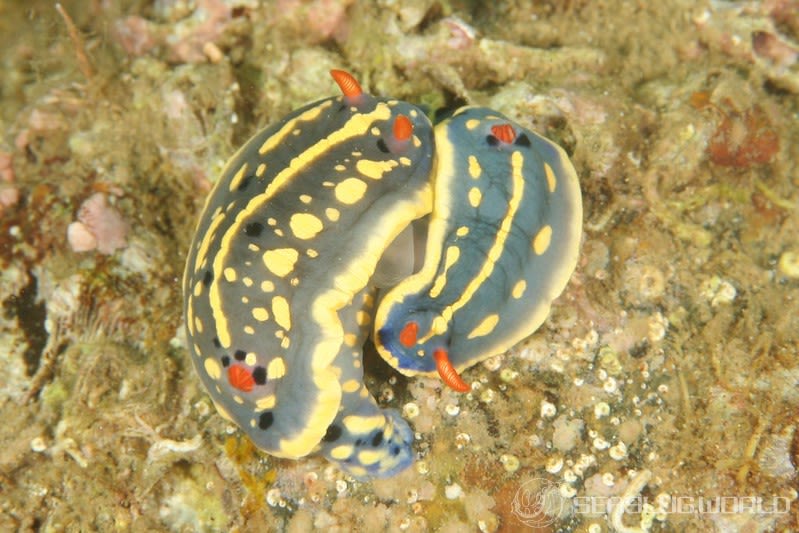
(369, 443)
(448, 373)
(363, 439)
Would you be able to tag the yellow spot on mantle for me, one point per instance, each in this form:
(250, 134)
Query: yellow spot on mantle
(474, 167)
(236, 181)
(552, 182)
(519, 288)
(370, 457)
(374, 169)
(267, 286)
(485, 327)
(439, 326)
(190, 314)
(351, 385)
(280, 261)
(363, 424)
(267, 402)
(260, 314)
(350, 190)
(475, 197)
(276, 368)
(305, 225)
(332, 214)
(342, 452)
(542, 240)
(212, 368)
(363, 318)
(280, 308)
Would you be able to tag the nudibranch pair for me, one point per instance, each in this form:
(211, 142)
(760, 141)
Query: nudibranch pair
(305, 248)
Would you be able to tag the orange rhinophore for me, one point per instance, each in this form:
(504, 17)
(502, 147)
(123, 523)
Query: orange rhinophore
(347, 83)
(448, 373)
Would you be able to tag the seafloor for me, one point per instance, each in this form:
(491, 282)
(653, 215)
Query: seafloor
(666, 377)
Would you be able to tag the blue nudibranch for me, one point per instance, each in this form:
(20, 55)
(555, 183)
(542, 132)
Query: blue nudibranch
(316, 214)
(502, 243)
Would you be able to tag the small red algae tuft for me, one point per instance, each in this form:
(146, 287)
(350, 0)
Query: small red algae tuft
(743, 139)
(770, 46)
(462, 36)
(319, 20)
(189, 40)
(135, 35)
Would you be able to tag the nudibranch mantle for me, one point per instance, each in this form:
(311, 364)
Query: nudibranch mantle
(503, 240)
(276, 287)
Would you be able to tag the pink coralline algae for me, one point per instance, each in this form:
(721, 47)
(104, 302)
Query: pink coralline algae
(99, 226)
(192, 40)
(744, 139)
(318, 20)
(775, 49)
(9, 193)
